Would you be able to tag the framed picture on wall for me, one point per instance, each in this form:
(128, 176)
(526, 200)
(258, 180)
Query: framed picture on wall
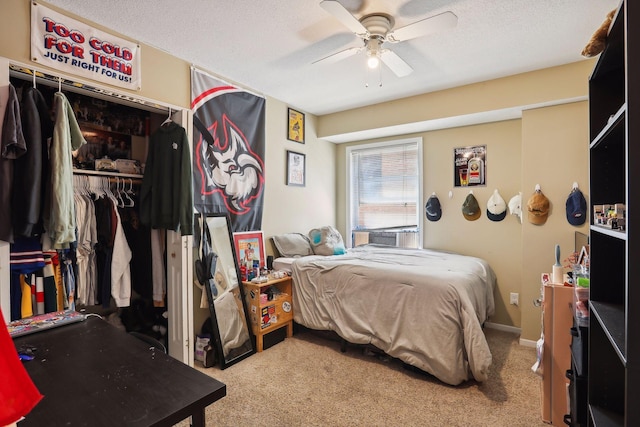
(250, 247)
(295, 168)
(469, 166)
(295, 126)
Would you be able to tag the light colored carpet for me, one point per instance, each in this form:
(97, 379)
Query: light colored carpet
(307, 381)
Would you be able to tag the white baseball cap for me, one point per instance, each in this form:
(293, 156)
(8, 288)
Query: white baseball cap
(515, 206)
(496, 207)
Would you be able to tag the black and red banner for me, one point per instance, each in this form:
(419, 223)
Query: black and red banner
(228, 151)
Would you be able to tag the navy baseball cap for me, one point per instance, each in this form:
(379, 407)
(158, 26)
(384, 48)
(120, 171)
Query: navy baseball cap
(433, 208)
(576, 208)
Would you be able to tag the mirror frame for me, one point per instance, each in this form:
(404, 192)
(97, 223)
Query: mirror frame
(210, 300)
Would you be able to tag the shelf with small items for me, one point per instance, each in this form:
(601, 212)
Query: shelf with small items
(617, 233)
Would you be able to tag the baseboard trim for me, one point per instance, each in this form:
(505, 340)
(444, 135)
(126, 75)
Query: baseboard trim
(501, 327)
(512, 329)
(528, 343)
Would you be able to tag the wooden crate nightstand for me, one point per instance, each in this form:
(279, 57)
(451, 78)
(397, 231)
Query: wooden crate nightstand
(268, 315)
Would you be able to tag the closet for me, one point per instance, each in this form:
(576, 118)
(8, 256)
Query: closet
(118, 128)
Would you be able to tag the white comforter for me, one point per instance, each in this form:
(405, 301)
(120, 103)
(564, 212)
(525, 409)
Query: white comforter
(422, 306)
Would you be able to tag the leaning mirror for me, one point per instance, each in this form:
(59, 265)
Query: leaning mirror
(217, 270)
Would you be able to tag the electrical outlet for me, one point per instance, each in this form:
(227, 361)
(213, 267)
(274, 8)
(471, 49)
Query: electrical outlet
(514, 298)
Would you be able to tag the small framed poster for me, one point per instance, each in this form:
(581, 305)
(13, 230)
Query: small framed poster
(295, 126)
(295, 168)
(250, 247)
(469, 166)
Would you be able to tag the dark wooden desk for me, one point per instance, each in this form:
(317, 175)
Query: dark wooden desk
(93, 374)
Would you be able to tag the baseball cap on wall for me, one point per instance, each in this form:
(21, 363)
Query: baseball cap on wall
(515, 206)
(433, 209)
(496, 207)
(470, 208)
(576, 207)
(538, 207)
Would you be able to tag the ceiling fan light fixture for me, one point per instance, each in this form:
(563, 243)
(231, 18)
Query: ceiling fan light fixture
(373, 52)
(373, 62)
(377, 29)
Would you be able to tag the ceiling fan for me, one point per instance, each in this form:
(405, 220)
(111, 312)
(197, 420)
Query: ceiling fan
(376, 29)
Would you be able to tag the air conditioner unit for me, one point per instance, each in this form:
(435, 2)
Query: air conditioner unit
(401, 239)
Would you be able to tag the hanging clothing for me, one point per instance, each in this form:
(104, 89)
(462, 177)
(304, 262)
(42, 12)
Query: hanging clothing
(26, 255)
(68, 278)
(31, 169)
(15, 295)
(167, 195)
(60, 224)
(48, 286)
(120, 270)
(12, 146)
(26, 306)
(158, 248)
(85, 252)
(139, 239)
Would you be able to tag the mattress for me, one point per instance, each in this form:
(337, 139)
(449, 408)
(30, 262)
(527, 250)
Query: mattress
(424, 307)
(283, 264)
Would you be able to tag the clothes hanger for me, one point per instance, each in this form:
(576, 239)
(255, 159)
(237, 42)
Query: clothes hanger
(127, 202)
(168, 119)
(115, 196)
(130, 190)
(118, 194)
(95, 185)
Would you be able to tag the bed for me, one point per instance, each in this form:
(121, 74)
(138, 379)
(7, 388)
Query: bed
(424, 307)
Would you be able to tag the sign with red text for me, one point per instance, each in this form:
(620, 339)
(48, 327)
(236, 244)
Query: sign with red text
(71, 46)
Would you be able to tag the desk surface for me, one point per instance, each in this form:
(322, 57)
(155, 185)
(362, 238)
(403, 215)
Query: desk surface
(93, 374)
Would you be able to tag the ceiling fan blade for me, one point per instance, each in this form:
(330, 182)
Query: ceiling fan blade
(338, 56)
(399, 67)
(423, 27)
(343, 15)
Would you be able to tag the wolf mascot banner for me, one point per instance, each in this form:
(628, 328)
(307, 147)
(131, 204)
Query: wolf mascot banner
(228, 151)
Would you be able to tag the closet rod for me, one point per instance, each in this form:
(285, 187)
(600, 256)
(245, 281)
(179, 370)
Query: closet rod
(110, 174)
(48, 78)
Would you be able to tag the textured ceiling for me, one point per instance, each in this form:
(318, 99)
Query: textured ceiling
(268, 46)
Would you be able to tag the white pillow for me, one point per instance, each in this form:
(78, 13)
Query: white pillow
(292, 245)
(327, 241)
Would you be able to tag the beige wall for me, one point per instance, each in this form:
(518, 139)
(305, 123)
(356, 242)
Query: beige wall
(555, 144)
(533, 89)
(493, 241)
(297, 209)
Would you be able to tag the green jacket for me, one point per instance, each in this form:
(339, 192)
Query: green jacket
(166, 196)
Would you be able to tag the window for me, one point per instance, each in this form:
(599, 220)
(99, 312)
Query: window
(384, 192)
